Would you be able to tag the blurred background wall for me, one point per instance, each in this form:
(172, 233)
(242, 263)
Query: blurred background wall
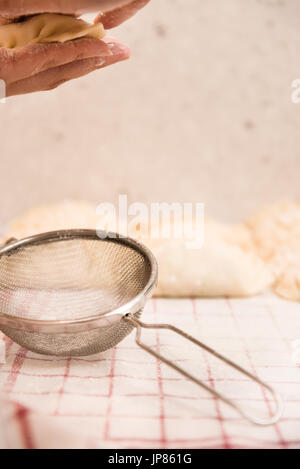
(202, 112)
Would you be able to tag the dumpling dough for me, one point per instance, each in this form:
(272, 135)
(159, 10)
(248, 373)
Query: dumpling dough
(276, 234)
(47, 28)
(225, 266)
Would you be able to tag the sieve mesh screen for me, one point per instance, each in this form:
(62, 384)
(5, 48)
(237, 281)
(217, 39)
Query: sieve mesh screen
(69, 279)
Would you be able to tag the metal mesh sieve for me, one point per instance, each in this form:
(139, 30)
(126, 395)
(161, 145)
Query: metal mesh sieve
(76, 292)
(65, 293)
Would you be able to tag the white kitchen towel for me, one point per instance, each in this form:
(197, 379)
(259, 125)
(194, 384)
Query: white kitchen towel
(125, 398)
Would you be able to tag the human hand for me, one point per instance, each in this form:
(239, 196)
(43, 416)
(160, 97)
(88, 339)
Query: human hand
(38, 67)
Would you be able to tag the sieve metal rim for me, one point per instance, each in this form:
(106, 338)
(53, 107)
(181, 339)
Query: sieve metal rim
(54, 326)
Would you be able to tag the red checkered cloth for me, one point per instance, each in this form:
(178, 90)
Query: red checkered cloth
(125, 398)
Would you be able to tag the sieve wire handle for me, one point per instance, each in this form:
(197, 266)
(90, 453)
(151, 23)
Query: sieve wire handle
(277, 398)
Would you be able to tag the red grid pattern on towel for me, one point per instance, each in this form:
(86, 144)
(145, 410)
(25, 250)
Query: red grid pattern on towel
(127, 399)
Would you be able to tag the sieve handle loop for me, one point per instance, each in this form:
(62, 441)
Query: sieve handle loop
(255, 420)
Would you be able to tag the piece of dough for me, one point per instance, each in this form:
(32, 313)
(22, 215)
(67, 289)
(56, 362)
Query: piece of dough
(47, 28)
(226, 265)
(276, 234)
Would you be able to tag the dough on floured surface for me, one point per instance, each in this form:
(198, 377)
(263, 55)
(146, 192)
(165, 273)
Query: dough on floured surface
(287, 284)
(47, 27)
(226, 265)
(276, 234)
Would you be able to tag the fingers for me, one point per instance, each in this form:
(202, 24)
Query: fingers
(50, 79)
(119, 52)
(17, 64)
(118, 15)
(44, 66)
(11, 9)
(53, 77)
